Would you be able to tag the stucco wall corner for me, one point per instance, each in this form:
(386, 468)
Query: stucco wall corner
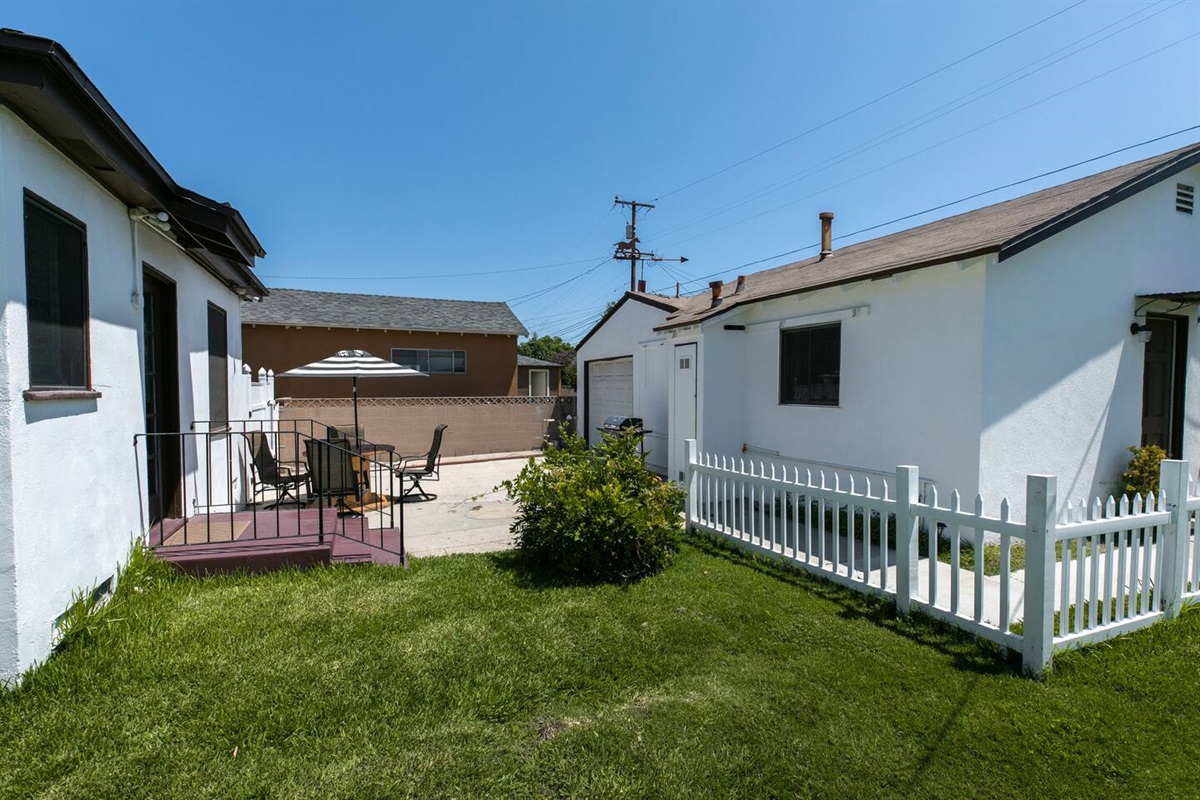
(9, 665)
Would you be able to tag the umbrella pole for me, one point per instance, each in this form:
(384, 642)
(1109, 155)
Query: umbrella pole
(354, 392)
(354, 438)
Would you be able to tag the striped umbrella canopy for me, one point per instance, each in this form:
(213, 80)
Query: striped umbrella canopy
(353, 364)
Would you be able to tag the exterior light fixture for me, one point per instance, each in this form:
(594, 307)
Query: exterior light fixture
(1142, 332)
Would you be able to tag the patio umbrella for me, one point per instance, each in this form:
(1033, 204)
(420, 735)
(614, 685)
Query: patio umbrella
(352, 364)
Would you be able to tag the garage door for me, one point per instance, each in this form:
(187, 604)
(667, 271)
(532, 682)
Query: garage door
(609, 393)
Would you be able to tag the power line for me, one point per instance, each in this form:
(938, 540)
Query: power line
(869, 103)
(540, 292)
(924, 150)
(955, 202)
(913, 124)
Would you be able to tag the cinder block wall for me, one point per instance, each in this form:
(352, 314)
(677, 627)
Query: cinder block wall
(477, 424)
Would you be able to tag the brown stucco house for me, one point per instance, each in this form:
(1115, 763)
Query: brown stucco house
(468, 348)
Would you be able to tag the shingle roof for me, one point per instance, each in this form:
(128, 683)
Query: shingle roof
(338, 310)
(1006, 228)
(529, 361)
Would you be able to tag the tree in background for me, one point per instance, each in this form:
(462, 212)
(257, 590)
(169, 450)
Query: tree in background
(552, 348)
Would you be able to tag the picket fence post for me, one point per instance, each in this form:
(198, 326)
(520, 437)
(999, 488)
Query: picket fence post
(691, 456)
(908, 485)
(1041, 518)
(1173, 480)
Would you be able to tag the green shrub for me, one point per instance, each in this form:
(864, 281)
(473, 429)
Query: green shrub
(596, 514)
(1141, 476)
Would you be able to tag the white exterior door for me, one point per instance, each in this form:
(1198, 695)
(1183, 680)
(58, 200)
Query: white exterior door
(539, 382)
(609, 391)
(683, 403)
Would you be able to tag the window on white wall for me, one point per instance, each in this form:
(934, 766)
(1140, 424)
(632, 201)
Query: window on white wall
(56, 298)
(431, 361)
(218, 365)
(810, 365)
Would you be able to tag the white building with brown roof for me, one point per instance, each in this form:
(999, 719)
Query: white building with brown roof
(1044, 334)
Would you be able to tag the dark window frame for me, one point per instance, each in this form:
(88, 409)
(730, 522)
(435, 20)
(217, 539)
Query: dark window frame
(41, 390)
(428, 359)
(218, 419)
(791, 337)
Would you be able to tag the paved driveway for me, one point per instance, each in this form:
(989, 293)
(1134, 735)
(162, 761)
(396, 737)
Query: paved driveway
(467, 516)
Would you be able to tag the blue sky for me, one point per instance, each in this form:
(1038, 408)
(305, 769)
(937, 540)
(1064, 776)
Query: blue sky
(396, 148)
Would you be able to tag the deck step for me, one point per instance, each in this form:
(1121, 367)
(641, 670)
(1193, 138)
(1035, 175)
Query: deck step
(199, 560)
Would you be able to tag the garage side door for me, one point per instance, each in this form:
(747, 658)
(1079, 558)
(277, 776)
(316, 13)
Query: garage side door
(609, 391)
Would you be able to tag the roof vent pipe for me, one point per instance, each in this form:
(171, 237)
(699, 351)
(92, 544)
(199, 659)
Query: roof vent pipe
(741, 284)
(716, 292)
(826, 233)
(642, 286)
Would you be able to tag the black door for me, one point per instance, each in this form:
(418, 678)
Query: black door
(161, 383)
(1162, 383)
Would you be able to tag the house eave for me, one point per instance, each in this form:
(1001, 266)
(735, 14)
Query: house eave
(1051, 227)
(640, 298)
(43, 86)
(881, 274)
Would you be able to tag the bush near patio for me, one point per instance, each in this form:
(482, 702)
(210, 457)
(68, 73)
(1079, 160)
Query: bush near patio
(596, 514)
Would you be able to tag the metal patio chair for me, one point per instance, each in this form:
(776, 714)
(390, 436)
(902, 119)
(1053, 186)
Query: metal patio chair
(332, 469)
(423, 467)
(268, 473)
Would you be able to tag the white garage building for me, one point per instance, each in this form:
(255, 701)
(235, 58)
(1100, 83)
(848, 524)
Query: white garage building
(623, 365)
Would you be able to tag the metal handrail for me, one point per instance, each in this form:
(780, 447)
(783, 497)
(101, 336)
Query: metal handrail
(202, 441)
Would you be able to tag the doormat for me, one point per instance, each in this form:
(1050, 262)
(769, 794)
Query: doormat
(203, 531)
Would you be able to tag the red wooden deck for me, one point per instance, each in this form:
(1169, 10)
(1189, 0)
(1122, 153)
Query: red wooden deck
(258, 541)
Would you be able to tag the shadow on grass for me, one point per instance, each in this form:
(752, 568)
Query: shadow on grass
(966, 652)
(528, 574)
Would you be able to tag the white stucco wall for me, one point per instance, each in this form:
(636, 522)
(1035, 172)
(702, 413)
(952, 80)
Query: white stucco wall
(630, 332)
(910, 377)
(8, 570)
(75, 506)
(1063, 375)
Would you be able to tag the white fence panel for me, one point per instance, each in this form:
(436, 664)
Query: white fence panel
(1090, 572)
(1191, 591)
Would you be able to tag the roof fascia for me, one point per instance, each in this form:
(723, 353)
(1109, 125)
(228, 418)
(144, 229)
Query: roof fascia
(608, 314)
(874, 276)
(1138, 183)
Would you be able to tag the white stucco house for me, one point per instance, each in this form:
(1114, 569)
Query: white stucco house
(1044, 334)
(120, 293)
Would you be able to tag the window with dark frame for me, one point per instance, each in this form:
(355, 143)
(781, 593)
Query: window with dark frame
(218, 365)
(56, 298)
(433, 362)
(810, 364)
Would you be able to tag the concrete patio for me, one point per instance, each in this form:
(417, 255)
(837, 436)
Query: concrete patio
(467, 516)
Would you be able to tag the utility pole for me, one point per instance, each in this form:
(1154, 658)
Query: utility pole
(628, 249)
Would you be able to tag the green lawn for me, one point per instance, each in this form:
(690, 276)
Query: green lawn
(460, 677)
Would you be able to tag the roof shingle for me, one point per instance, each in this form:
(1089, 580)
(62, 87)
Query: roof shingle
(338, 310)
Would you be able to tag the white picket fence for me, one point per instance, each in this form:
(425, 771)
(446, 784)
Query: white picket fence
(1089, 573)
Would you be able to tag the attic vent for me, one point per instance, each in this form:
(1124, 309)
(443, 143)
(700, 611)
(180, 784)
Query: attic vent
(83, 153)
(1185, 198)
